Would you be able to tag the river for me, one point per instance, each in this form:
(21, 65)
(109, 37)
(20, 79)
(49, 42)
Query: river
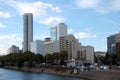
(6, 74)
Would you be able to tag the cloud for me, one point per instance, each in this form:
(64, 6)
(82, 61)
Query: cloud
(3, 49)
(11, 38)
(84, 35)
(87, 3)
(2, 25)
(7, 40)
(52, 20)
(57, 9)
(4, 15)
(70, 31)
(115, 4)
(42, 12)
(112, 22)
(100, 6)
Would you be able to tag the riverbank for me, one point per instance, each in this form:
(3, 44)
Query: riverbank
(92, 74)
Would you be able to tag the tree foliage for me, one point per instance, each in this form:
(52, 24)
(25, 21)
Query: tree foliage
(18, 59)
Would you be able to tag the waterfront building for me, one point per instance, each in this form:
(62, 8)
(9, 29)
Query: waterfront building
(51, 47)
(37, 47)
(27, 31)
(58, 31)
(111, 43)
(13, 49)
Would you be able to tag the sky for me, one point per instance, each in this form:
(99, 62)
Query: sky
(90, 21)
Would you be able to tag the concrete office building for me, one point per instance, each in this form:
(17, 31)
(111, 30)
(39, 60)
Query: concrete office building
(51, 47)
(58, 31)
(27, 31)
(13, 49)
(37, 47)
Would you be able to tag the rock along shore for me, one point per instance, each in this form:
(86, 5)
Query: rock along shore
(92, 74)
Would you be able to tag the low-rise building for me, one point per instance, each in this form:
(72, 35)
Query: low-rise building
(51, 47)
(13, 49)
(89, 54)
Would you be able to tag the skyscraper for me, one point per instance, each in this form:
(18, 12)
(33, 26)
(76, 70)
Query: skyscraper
(111, 43)
(28, 31)
(61, 30)
(58, 31)
(53, 33)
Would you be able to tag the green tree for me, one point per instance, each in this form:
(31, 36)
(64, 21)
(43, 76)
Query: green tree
(63, 55)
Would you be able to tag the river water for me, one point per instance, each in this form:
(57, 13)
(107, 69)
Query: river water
(6, 74)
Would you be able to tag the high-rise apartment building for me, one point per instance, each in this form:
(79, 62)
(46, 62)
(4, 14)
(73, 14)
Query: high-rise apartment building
(71, 45)
(58, 31)
(27, 31)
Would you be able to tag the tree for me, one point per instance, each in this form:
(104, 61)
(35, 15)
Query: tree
(63, 55)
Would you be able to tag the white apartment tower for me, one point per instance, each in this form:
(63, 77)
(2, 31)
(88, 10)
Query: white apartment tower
(27, 31)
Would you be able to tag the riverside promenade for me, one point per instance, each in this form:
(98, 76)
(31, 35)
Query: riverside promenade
(92, 74)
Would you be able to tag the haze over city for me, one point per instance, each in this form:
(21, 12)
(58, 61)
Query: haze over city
(91, 21)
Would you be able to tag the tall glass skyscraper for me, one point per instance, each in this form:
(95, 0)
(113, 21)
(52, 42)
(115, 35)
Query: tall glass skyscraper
(27, 31)
(53, 33)
(58, 31)
(111, 43)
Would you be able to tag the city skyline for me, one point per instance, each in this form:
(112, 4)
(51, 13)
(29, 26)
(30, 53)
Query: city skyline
(91, 21)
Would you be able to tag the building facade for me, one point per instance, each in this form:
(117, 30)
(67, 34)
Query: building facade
(58, 31)
(51, 47)
(89, 54)
(27, 31)
(37, 47)
(53, 33)
(71, 45)
(111, 43)
(13, 49)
